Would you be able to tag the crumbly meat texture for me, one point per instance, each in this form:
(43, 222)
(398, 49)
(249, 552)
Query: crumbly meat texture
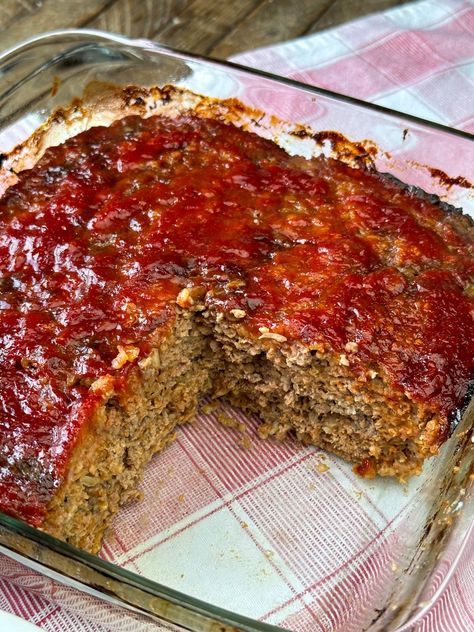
(124, 433)
(292, 390)
(156, 261)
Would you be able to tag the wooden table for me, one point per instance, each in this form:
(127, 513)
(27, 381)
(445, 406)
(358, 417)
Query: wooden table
(219, 28)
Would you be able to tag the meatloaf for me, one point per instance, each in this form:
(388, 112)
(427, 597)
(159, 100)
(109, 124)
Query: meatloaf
(158, 260)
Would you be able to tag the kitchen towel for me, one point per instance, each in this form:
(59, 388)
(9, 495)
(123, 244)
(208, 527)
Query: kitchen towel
(418, 58)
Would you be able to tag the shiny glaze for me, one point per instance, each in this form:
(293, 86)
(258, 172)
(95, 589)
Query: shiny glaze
(99, 238)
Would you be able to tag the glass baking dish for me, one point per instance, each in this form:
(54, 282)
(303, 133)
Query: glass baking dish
(279, 536)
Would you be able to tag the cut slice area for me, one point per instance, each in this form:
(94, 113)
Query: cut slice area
(292, 389)
(126, 430)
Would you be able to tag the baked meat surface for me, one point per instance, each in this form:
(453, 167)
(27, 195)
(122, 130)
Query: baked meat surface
(149, 263)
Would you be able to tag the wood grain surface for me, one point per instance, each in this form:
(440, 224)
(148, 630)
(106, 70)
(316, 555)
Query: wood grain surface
(218, 28)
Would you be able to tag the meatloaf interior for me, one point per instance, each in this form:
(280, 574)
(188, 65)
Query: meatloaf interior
(291, 388)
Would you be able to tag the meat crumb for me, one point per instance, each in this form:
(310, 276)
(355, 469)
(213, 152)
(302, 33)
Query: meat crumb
(343, 360)
(126, 353)
(322, 467)
(351, 347)
(245, 442)
(210, 407)
(272, 336)
(238, 313)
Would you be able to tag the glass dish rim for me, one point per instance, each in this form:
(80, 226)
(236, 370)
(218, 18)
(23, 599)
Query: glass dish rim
(109, 569)
(156, 46)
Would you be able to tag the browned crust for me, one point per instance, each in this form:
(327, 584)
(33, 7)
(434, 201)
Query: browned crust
(102, 103)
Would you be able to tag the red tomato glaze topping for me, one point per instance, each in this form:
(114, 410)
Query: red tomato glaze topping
(99, 237)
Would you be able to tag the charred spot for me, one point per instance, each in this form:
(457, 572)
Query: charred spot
(7, 284)
(456, 415)
(112, 403)
(58, 116)
(132, 95)
(443, 178)
(345, 148)
(302, 133)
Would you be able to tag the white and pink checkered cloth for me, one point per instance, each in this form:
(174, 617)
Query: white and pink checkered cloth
(418, 58)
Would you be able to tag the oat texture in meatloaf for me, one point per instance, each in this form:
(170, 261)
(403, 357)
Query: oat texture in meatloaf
(149, 263)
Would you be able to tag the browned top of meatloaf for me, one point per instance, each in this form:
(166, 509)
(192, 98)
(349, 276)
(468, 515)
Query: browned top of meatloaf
(100, 237)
